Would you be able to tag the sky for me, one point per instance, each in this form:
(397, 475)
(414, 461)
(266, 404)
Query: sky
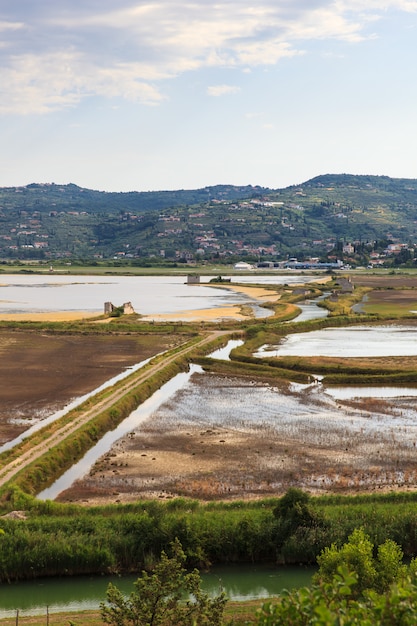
(130, 95)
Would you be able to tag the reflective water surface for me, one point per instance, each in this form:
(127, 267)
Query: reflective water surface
(137, 416)
(83, 466)
(243, 582)
(148, 294)
(353, 341)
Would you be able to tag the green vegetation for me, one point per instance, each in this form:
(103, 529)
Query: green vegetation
(65, 539)
(352, 587)
(45, 470)
(169, 595)
(327, 604)
(57, 539)
(357, 584)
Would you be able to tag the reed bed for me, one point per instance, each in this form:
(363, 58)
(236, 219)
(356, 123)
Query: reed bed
(67, 540)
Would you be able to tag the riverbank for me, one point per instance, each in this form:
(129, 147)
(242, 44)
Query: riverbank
(240, 612)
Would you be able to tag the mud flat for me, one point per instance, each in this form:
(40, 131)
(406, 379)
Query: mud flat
(222, 438)
(385, 281)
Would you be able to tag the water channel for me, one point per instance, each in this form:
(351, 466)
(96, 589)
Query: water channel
(72, 405)
(132, 421)
(85, 593)
(238, 582)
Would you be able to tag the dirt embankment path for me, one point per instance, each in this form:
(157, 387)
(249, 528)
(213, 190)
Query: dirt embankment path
(113, 395)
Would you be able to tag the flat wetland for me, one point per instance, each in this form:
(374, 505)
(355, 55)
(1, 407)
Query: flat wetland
(229, 438)
(224, 436)
(221, 437)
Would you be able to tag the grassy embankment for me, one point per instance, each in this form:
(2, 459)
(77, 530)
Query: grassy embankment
(44, 471)
(239, 612)
(56, 460)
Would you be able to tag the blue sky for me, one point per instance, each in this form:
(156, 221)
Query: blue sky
(124, 95)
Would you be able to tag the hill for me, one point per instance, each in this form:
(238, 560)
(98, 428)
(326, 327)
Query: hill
(314, 218)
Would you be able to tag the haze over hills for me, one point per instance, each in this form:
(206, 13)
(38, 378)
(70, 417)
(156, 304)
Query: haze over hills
(316, 218)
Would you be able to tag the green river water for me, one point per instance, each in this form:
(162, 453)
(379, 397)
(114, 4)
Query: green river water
(83, 593)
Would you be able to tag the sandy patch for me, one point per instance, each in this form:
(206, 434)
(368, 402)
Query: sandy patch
(233, 312)
(320, 281)
(201, 315)
(47, 316)
(257, 293)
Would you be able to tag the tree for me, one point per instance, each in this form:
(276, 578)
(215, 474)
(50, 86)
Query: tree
(168, 595)
(358, 555)
(334, 603)
(294, 510)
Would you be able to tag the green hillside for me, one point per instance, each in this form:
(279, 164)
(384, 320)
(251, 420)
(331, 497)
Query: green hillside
(316, 218)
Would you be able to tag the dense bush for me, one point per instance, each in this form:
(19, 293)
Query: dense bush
(353, 587)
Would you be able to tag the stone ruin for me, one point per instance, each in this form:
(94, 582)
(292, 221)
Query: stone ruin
(127, 308)
(193, 279)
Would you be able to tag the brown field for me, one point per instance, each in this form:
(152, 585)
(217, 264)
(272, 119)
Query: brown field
(40, 373)
(389, 295)
(385, 281)
(400, 298)
(314, 442)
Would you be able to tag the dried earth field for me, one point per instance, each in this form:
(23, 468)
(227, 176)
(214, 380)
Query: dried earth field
(270, 437)
(390, 295)
(385, 280)
(41, 373)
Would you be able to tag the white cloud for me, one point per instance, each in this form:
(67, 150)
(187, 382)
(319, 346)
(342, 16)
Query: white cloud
(55, 53)
(7, 26)
(222, 90)
(40, 84)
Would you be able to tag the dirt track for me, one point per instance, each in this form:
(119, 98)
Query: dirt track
(168, 458)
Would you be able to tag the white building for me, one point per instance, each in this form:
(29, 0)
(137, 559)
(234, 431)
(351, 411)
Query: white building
(241, 265)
